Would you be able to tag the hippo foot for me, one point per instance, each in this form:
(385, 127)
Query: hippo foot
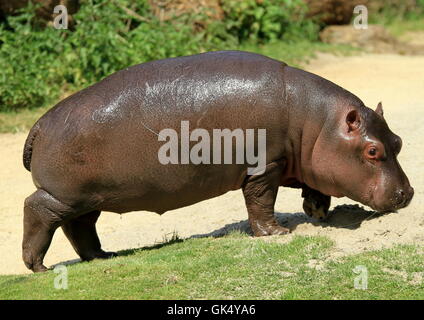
(316, 204)
(100, 255)
(314, 210)
(106, 255)
(37, 268)
(269, 230)
(40, 268)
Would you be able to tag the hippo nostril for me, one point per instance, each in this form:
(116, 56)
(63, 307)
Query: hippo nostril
(403, 197)
(400, 197)
(400, 194)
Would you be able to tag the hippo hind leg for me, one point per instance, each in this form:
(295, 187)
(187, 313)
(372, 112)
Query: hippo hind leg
(81, 232)
(260, 192)
(43, 214)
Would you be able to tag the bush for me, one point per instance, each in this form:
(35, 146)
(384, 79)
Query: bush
(29, 60)
(39, 63)
(268, 20)
(385, 11)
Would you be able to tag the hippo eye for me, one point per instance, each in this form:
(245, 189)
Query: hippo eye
(372, 153)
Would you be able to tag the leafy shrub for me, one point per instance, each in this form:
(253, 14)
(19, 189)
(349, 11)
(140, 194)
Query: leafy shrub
(39, 63)
(268, 20)
(28, 58)
(385, 11)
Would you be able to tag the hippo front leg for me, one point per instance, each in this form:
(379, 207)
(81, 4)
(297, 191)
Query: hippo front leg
(315, 204)
(260, 192)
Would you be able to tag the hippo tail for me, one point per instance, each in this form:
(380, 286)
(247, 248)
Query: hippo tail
(28, 145)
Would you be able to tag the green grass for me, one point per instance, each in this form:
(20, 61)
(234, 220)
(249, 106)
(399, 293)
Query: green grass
(232, 267)
(20, 121)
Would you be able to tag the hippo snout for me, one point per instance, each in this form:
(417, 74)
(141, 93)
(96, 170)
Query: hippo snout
(394, 200)
(400, 199)
(403, 197)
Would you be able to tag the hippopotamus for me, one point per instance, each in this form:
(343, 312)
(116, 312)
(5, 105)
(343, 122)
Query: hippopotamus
(97, 150)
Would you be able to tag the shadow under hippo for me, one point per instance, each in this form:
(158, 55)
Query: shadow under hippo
(342, 216)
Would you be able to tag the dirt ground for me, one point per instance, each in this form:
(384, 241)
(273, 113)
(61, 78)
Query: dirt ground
(395, 80)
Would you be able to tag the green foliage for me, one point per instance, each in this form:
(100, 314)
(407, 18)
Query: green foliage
(40, 62)
(387, 11)
(104, 41)
(28, 57)
(268, 20)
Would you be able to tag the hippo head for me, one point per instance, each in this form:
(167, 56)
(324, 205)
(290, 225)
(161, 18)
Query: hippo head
(357, 158)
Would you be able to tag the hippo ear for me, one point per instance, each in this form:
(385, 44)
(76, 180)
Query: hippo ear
(379, 110)
(353, 120)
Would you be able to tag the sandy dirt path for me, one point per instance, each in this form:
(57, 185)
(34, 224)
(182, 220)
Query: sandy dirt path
(398, 81)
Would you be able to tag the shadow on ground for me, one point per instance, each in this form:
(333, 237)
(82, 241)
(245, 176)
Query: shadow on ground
(127, 252)
(343, 216)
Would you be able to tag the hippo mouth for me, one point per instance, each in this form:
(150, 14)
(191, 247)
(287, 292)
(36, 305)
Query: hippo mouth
(384, 210)
(395, 204)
